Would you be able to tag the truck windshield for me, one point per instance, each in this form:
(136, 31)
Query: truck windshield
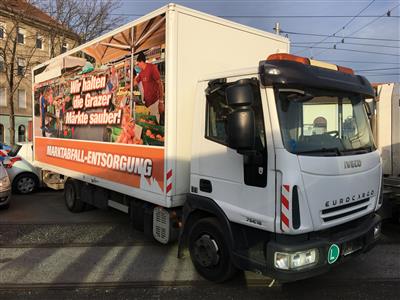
(322, 123)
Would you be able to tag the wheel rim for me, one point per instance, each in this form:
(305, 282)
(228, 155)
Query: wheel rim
(206, 251)
(69, 196)
(26, 185)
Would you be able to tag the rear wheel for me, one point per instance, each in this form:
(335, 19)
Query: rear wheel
(209, 251)
(25, 183)
(72, 196)
(5, 206)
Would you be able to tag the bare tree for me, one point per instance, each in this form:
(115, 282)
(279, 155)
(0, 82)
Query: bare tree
(17, 62)
(87, 18)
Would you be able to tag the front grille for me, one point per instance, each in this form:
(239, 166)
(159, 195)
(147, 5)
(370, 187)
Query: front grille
(334, 213)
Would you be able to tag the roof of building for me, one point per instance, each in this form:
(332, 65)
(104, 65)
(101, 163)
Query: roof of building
(32, 13)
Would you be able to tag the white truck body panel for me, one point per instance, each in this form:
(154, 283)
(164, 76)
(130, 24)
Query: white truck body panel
(216, 47)
(387, 134)
(223, 167)
(194, 48)
(316, 177)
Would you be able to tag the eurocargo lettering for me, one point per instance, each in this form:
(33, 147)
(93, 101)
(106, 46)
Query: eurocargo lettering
(210, 133)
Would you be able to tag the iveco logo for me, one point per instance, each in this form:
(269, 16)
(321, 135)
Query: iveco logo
(352, 164)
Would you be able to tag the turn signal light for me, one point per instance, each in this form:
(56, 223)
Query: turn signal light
(291, 57)
(345, 70)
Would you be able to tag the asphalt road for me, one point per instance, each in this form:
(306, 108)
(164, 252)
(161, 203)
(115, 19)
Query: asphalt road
(47, 252)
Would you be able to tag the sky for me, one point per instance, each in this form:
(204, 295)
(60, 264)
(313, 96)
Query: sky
(371, 38)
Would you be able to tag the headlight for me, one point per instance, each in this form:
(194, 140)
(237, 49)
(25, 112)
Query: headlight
(4, 183)
(297, 260)
(274, 71)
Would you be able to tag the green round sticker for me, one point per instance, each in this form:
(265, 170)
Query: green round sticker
(333, 253)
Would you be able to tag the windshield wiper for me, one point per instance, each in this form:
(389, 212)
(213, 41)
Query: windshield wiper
(333, 150)
(360, 150)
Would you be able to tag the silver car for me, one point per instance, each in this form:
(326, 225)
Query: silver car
(24, 177)
(5, 188)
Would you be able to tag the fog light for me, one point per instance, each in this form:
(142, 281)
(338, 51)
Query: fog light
(377, 231)
(297, 260)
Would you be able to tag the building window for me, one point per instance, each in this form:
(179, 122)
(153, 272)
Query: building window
(39, 42)
(3, 97)
(2, 65)
(64, 47)
(21, 98)
(1, 133)
(21, 133)
(2, 31)
(21, 67)
(21, 36)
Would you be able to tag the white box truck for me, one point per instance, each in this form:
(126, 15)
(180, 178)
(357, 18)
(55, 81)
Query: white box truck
(268, 165)
(386, 129)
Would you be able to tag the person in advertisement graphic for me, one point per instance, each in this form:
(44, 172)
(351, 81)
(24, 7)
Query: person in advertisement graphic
(43, 110)
(112, 84)
(152, 87)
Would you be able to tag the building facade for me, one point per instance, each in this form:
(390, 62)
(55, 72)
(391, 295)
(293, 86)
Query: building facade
(28, 37)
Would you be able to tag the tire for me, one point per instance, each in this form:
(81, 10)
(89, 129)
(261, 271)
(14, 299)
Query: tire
(72, 197)
(209, 251)
(25, 183)
(5, 206)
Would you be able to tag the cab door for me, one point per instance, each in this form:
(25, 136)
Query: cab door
(242, 184)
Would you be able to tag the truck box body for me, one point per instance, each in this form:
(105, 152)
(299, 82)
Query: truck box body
(193, 47)
(386, 128)
(387, 132)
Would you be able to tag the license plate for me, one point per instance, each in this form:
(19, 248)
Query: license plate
(352, 246)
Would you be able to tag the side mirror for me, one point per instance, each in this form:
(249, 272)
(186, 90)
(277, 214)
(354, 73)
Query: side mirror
(239, 94)
(241, 129)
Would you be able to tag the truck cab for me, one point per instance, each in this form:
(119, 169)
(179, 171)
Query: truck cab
(285, 177)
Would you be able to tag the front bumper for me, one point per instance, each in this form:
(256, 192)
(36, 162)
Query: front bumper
(352, 240)
(5, 197)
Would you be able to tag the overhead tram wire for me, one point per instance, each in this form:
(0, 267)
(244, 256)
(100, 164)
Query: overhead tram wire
(259, 16)
(383, 74)
(352, 50)
(373, 21)
(338, 37)
(347, 43)
(265, 16)
(365, 62)
(342, 28)
(371, 70)
(388, 13)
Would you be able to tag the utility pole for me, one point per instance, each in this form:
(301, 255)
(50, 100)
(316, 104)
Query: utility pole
(277, 28)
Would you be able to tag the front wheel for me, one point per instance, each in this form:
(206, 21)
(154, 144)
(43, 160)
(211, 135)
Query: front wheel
(25, 183)
(72, 196)
(209, 251)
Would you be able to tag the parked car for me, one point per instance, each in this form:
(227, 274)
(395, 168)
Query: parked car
(5, 188)
(23, 175)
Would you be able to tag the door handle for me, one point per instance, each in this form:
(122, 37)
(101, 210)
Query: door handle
(205, 186)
